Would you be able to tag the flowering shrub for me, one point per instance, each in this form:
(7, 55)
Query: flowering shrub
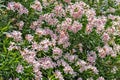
(60, 40)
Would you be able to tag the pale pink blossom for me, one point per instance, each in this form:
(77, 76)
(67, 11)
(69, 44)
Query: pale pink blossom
(58, 75)
(110, 30)
(46, 63)
(10, 6)
(17, 7)
(65, 24)
(89, 28)
(80, 78)
(40, 31)
(70, 58)
(68, 70)
(91, 57)
(59, 11)
(66, 44)
(36, 66)
(57, 52)
(102, 52)
(28, 52)
(20, 25)
(16, 35)
(38, 75)
(101, 78)
(76, 10)
(35, 25)
(37, 5)
(20, 68)
(13, 46)
(50, 19)
(90, 13)
(35, 46)
(63, 37)
(108, 49)
(29, 37)
(112, 17)
(118, 1)
(105, 37)
(76, 26)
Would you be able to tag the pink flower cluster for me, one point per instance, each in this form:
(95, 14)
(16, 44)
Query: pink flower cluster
(59, 38)
(58, 75)
(76, 10)
(86, 66)
(37, 6)
(17, 7)
(16, 35)
(46, 63)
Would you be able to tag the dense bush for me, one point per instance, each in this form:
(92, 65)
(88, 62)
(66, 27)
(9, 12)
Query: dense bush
(59, 39)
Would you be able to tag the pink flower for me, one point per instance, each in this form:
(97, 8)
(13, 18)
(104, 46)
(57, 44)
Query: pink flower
(46, 63)
(90, 13)
(91, 57)
(102, 53)
(38, 75)
(100, 23)
(59, 11)
(40, 31)
(36, 66)
(20, 25)
(76, 26)
(107, 49)
(37, 5)
(71, 58)
(100, 78)
(35, 24)
(16, 35)
(105, 37)
(110, 30)
(13, 46)
(65, 24)
(111, 17)
(35, 46)
(68, 70)
(118, 1)
(29, 37)
(80, 78)
(76, 10)
(10, 6)
(63, 37)
(89, 28)
(20, 68)
(28, 55)
(66, 44)
(58, 75)
(18, 7)
(50, 19)
(57, 52)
